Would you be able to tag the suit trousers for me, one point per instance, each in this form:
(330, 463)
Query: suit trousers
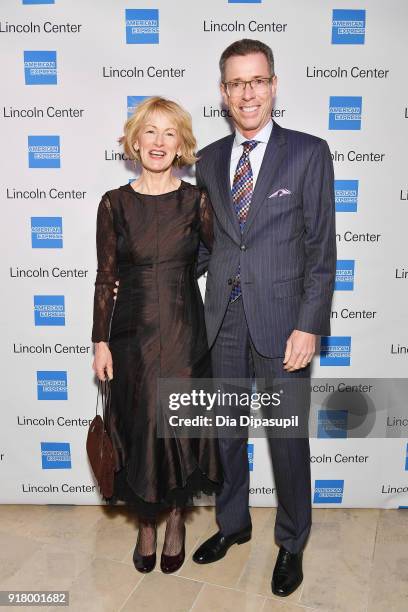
(234, 356)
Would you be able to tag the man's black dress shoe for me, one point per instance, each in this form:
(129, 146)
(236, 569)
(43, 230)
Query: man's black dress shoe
(287, 574)
(216, 547)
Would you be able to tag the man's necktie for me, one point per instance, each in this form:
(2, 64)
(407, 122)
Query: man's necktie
(242, 188)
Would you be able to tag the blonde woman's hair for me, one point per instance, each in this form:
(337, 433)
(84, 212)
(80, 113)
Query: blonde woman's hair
(181, 119)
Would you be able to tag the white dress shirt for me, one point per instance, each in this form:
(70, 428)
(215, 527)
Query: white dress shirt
(255, 156)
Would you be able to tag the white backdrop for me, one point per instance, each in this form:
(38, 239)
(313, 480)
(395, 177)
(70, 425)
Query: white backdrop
(58, 67)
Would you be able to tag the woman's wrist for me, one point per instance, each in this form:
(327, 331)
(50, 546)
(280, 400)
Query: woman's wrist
(101, 344)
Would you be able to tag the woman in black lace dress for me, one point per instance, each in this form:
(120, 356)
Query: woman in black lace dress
(148, 234)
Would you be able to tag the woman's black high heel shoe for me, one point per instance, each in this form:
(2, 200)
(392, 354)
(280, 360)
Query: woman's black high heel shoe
(171, 563)
(144, 563)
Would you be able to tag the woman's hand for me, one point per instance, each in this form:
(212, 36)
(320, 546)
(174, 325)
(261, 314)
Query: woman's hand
(102, 363)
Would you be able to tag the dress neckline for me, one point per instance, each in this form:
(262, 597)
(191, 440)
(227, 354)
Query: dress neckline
(158, 195)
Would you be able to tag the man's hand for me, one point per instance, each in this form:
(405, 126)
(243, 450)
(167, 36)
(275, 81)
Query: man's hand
(300, 348)
(102, 363)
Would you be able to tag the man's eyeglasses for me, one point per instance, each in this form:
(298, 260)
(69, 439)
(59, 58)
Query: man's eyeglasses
(237, 88)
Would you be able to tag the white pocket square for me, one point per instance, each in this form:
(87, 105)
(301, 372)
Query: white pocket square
(280, 192)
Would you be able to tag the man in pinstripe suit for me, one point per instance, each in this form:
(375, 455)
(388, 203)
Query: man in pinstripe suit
(269, 287)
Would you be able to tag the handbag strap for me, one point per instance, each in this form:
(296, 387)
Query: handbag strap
(104, 391)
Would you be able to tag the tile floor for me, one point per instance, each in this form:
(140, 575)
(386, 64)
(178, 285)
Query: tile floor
(355, 561)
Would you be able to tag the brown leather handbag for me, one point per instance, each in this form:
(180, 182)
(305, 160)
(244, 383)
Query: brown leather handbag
(99, 445)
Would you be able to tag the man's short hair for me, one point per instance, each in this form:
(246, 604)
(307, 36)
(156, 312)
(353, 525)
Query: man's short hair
(245, 46)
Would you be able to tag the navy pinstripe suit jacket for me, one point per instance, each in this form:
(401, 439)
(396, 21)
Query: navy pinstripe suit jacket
(287, 250)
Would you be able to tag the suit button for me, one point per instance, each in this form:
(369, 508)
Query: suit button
(230, 281)
(243, 247)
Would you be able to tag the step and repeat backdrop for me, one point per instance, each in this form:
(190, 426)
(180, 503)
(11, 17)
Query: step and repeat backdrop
(72, 72)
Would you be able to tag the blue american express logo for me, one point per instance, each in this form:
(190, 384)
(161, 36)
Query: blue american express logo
(328, 491)
(335, 350)
(52, 385)
(346, 195)
(142, 26)
(44, 152)
(46, 232)
(348, 27)
(345, 112)
(250, 450)
(55, 456)
(49, 310)
(332, 424)
(40, 67)
(344, 275)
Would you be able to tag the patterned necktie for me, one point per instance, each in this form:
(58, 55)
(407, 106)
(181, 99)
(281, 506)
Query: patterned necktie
(242, 188)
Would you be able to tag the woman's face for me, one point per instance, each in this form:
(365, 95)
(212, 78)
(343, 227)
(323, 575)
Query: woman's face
(158, 142)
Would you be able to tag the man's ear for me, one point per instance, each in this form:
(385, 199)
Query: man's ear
(224, 94)
(274, 85)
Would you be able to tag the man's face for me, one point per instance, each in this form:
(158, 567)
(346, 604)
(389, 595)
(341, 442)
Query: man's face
(250, 109)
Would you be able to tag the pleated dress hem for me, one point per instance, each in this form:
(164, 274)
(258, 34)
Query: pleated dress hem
(197, 484)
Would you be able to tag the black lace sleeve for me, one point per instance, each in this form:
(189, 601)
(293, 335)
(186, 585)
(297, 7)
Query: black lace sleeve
(106, 273)
(206, 217)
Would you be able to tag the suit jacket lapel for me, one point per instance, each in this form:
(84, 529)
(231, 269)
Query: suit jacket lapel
(223, 169)
(274, 153)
